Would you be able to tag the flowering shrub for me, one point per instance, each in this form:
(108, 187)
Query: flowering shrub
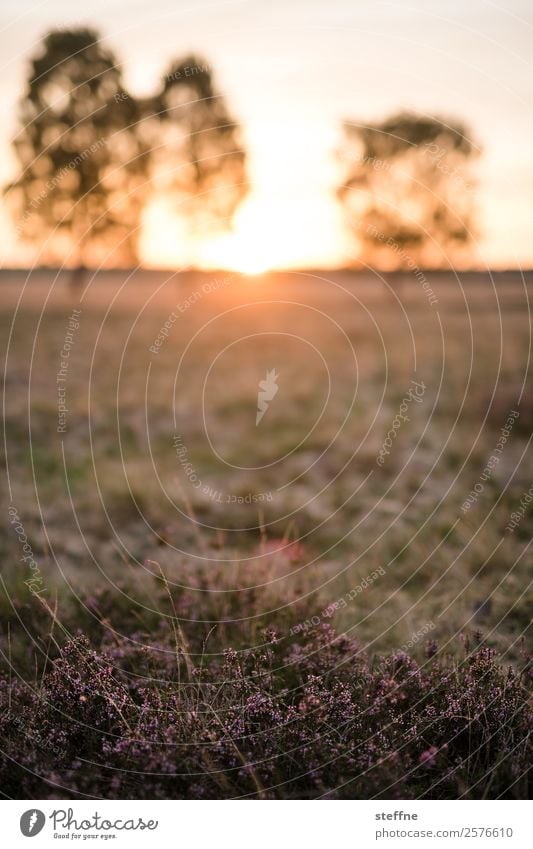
(285, 720)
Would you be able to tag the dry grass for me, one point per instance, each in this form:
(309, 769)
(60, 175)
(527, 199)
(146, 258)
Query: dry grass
(119, 501)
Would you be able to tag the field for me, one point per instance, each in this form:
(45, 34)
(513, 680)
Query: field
(384, 496)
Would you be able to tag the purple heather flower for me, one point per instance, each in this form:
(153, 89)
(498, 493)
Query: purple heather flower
(427, 758)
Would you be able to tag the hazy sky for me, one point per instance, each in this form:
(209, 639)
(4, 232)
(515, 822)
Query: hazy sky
(292, 70)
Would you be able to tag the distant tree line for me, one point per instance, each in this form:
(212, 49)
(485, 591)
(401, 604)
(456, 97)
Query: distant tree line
(91, 156)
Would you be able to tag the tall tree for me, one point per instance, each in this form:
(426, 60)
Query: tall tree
(83, 165)
(201, 161)
(407, 189)
(91, 154)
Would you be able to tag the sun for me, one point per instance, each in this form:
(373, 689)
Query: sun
(243, 256)
(246, 248)
(267, 234)
(251, 269)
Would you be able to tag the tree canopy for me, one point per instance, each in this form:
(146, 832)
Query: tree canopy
(203, 159)
(90, 153)
(407, 189)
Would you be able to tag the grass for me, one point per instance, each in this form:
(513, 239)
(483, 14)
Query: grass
(132, 547)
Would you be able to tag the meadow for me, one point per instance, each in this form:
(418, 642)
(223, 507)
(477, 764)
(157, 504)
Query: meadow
(334, 601)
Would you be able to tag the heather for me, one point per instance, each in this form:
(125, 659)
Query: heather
(142, 717)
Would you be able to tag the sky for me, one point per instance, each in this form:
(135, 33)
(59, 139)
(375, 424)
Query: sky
(292, 72)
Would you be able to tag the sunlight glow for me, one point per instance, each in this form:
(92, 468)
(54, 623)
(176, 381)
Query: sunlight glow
(247, 248)
(268, 233)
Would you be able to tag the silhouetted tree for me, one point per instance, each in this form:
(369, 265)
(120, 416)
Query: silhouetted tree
(82, 162)
(407, 189)
(90, 154)
(201, 161)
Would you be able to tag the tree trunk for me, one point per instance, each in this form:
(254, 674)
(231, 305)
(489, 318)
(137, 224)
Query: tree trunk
(77, 277)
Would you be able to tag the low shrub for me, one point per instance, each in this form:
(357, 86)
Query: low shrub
(315, 718)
